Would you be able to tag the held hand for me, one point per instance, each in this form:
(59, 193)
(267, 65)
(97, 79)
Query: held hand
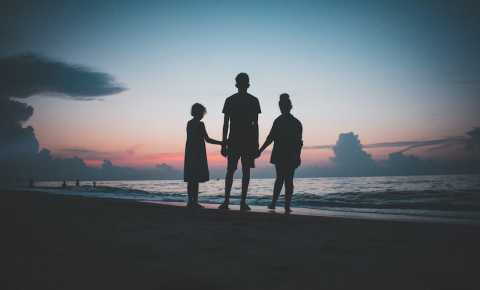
(224, 151)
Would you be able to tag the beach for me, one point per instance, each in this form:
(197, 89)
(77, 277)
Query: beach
(70, 242)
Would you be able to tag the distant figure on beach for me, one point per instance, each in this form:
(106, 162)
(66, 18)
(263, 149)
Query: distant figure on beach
(240, 123)
(196, 164)
(31, 183)
(64, 184)
(77, 182)
(286, 134)
(94, 184)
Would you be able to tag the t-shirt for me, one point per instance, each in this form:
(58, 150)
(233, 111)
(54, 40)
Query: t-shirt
(243, 110)
(287, 137)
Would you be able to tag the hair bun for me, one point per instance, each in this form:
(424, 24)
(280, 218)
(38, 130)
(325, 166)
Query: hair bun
(284, 97)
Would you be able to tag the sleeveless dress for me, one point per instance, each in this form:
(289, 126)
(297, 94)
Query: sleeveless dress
(195, 163)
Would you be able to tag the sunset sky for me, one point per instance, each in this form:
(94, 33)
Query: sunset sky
(400, 71)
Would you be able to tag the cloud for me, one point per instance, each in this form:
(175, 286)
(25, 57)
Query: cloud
(22, 76)
(468, 82)
(318, 147)
(14, 112)
(444, 142)
(473, 143)
(16, 141)
(127, 157)
(400, 164)
(89, 154)
(350, 158)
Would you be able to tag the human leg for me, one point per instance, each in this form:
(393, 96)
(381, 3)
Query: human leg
(289, 189)
(228, 188)
(247, 163)
(277, 187)
(232, 166)
(190, 193)
(195, 192)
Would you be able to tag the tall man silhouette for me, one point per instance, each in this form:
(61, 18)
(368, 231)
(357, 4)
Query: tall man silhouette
(241, 119)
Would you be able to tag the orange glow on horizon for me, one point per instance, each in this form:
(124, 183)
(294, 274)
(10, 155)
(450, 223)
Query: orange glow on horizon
(127, 158)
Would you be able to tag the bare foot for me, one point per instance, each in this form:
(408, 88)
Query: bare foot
(244, 207)
(223, 206)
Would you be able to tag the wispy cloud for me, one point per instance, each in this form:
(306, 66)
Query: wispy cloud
(468, 82)
(96, 154)
(130, 156)
(444, 142)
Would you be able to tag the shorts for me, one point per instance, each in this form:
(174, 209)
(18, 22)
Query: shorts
(247, 161)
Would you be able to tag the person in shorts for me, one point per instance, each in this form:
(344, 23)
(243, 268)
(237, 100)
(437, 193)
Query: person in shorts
(240, 124)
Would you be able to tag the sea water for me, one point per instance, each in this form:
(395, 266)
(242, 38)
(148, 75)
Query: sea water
(446, 196)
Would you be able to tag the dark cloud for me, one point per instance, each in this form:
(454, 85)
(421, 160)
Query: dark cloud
(16, 142)
(473, 143)
(350, 158)
(161, 171)
(22, 76)
(399, 163)
(14, 112)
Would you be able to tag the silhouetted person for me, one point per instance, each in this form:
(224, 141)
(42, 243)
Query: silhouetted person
(196, 164)
(64, 184)
(241, 117)
(77, 182)
(31, 183)
(94, 184)
(286, 133)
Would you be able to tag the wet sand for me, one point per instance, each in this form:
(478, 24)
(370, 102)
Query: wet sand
(67, 242)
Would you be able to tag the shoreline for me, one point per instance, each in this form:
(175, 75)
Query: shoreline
(342, 213)
(323, 213)
(72, 242)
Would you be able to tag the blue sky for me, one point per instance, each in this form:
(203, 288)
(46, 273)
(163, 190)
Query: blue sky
(387, 70)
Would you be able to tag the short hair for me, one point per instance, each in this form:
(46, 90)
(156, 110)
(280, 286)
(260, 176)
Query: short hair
(198, 110)
(242, 78)
(285, 103)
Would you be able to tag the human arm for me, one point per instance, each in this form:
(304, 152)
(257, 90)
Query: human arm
(208, 139)
(226, 123)
(212, 141)
(255, 124)
(268, 141)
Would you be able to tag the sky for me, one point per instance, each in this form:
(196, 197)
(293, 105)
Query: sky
(390, 71)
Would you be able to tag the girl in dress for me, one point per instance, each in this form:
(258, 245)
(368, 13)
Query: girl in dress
(196, 164)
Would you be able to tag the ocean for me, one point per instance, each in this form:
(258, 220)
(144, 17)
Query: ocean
(454, 197)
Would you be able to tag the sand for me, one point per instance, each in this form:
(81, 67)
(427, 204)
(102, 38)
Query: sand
(66, 242)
